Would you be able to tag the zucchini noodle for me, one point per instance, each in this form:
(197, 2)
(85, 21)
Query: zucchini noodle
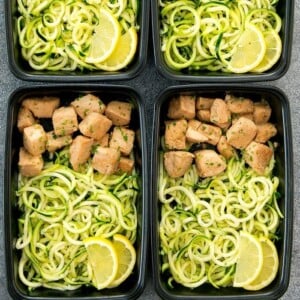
(201, 221)
(60, 208)
(56, 35)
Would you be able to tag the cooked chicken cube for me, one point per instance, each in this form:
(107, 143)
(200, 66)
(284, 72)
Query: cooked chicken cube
(239, 105)
(55, 142)
(42, 107)
(25, 118)
(175, 134)
(122, 139)
(204, 103)
(29, 165)
(235, 117)
(34, 139)
(193, 134)
(203, 115)
(80, 151)
(258, 156)
(181, 107)
(262, 112)
(106, 160)
(209, 163)
(65, 121)
(126, 165)
(225, 149)
(177, 162)
(103, 142)
(213, 133)
(241, 133)
(220, 114)
(265, 132)
(119, 112)
(95, 125)
(87, 104)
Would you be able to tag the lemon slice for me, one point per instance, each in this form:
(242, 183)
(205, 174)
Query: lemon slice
(250, 260)
(269, 267)
(273, 51)
(249, 50)
(103, 260)
(105, 37)
(126, 257)
(123, 53)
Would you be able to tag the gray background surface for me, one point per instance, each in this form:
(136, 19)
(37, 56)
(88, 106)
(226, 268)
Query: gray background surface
(149, 84)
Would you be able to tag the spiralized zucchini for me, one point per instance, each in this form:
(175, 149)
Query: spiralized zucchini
(60, 208)
(56, 34)
(201, 220)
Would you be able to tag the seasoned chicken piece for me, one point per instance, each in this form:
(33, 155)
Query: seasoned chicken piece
(175, 134)
(25, 118)
(87, 104)
(193, 134)
(42, 107)
(182, 107)
(122, 139)
(55, 142)
(119, 112)
(203, 115)
(241, 133)
(103, 142)
(265, 132)
(177, 162)
(80, 151)
(209, 163)
(213, 133)
(220, 114)
(258, 156)
(34, 139)
(126, 165)
(95, 125)
(239, 105)
(225, 149)
(65, 121)
(262, 112)
(106, 160)
(204, 103)
(29, 165)
(235, 117)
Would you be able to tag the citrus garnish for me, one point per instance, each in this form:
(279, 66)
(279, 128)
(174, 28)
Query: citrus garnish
(103, 260)
(249, 51)
(123, 53)
(269, 267)
(105, 37)
(250, 260)
(126, 257)
(273, 51)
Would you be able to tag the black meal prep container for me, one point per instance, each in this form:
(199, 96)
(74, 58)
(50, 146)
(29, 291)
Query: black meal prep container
(285, 9)
(284, 170)
(21, 69)
(134, 285)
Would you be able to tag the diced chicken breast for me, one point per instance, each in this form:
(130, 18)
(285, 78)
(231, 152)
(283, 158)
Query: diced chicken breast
(65, 121)
(213, 133)
(42, 107)
(34, 139)
(177, 162)
(25, 118)
(122, 139)
(55, 142)
(220, 114)
(95, 125)
(204, 103)
(80, 151)
(262, 112)
(175, 132)
(119, 112)
(29, 165)
(87, 104)
(241, 133)
(126, 165)
(203, 115)
(193, 134)
(265, 132)
(106, 160)
(103, 142)
(239, 105)
(258, 156)
(209, 163)
(225, 149)
(182, 107)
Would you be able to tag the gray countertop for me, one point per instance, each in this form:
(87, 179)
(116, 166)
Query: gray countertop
(149, 84)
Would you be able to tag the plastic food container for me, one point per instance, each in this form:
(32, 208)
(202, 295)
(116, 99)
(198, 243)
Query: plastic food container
(284, 170)
(133, 286)
(22, 70)
(285, 9)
